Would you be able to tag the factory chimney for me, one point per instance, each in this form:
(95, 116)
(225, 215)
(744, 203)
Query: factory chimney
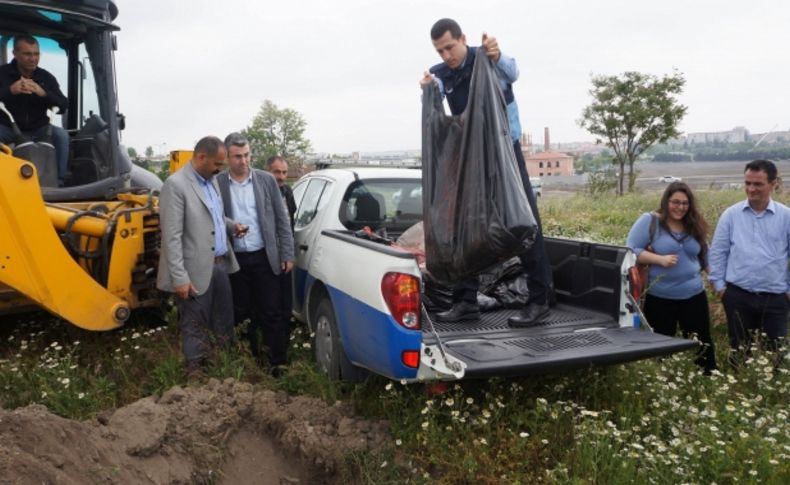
(546, 140)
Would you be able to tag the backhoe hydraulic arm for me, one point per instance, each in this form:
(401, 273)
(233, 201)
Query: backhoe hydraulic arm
(89, 263)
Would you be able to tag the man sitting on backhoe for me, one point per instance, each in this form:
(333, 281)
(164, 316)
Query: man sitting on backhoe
(28, 92)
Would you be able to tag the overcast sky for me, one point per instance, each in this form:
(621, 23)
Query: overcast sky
(352, 67)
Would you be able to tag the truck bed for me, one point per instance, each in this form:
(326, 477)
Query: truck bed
(569, 337)
(591, 324)
(562, 318)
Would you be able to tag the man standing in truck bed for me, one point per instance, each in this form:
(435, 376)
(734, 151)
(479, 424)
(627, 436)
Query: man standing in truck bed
(453, 77)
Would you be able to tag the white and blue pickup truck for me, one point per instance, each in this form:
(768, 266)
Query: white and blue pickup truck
(362, 298)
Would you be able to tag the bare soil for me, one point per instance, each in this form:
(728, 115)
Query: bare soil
(221, 432)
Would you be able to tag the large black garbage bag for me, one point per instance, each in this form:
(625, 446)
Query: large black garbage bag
(506, 283)
(475, 211)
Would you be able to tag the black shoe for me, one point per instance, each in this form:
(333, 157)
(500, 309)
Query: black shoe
(460, 312)
(277, 371)
(530, 316)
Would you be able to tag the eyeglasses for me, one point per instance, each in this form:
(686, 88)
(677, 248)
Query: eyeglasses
(679, 203)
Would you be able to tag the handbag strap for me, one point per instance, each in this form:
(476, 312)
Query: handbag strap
(652, 233)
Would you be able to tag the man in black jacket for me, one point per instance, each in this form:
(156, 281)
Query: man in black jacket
(279, 168)
(28, 92)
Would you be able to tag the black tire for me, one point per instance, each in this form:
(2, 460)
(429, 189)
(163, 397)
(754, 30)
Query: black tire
(330, 356)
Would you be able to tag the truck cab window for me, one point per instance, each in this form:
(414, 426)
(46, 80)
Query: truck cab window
(310, 202)
(394, 204)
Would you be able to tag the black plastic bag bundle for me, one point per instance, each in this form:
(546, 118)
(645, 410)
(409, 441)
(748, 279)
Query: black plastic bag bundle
(506, 283)
(475, 211)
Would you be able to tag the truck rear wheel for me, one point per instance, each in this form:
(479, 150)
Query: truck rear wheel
(330, 356)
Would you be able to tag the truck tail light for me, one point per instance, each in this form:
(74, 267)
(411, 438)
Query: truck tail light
(401, 292)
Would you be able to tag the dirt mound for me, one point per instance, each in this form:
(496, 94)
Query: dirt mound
(220, 432)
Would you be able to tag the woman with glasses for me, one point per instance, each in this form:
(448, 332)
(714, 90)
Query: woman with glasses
(673, 242)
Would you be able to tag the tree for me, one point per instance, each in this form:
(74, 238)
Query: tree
(149, 152)
(163, 172)
(276, 131)
(132, 153)
(632, 112)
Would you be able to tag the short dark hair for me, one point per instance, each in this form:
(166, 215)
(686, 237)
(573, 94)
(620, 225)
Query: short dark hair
(766, 166)
(235, 139)
(27, 39)
(274, 158)
(208, 145)
(443, 25)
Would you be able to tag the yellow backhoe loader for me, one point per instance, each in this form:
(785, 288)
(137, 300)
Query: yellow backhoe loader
(84, 248)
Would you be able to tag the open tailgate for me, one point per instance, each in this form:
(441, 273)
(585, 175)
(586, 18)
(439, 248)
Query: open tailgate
(571, 338)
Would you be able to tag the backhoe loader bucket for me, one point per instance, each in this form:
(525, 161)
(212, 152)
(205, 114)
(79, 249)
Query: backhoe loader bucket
(34, 262)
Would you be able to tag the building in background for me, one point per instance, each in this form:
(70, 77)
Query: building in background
(548, 163)
(739, 134)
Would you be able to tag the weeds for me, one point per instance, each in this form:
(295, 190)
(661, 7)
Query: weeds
(654, 421)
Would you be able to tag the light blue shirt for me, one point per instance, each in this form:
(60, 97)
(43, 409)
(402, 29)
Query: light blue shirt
(242, 200)
(217, 214)
(678, 282)
(507, 73)
(751, 250)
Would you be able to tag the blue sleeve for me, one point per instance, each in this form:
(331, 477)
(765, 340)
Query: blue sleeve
(720, 251)
(639, 235)
(788, 246)
(507, 69)
(440, 84)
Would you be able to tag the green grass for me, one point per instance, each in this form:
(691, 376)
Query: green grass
(655, 421)
(607, 218)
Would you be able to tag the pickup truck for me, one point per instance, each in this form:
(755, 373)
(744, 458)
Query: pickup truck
(362, 298)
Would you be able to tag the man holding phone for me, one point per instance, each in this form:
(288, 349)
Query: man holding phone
(252, 198)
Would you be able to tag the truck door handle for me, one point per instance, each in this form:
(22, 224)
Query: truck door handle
(303, 247)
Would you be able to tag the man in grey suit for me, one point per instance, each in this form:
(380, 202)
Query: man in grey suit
(196, 255)
(252, 198)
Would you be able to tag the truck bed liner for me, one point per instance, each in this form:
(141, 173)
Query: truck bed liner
(562, 317)
(570, 337)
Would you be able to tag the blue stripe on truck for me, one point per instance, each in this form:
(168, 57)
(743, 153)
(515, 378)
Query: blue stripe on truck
(377, 340)
(300, 285)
